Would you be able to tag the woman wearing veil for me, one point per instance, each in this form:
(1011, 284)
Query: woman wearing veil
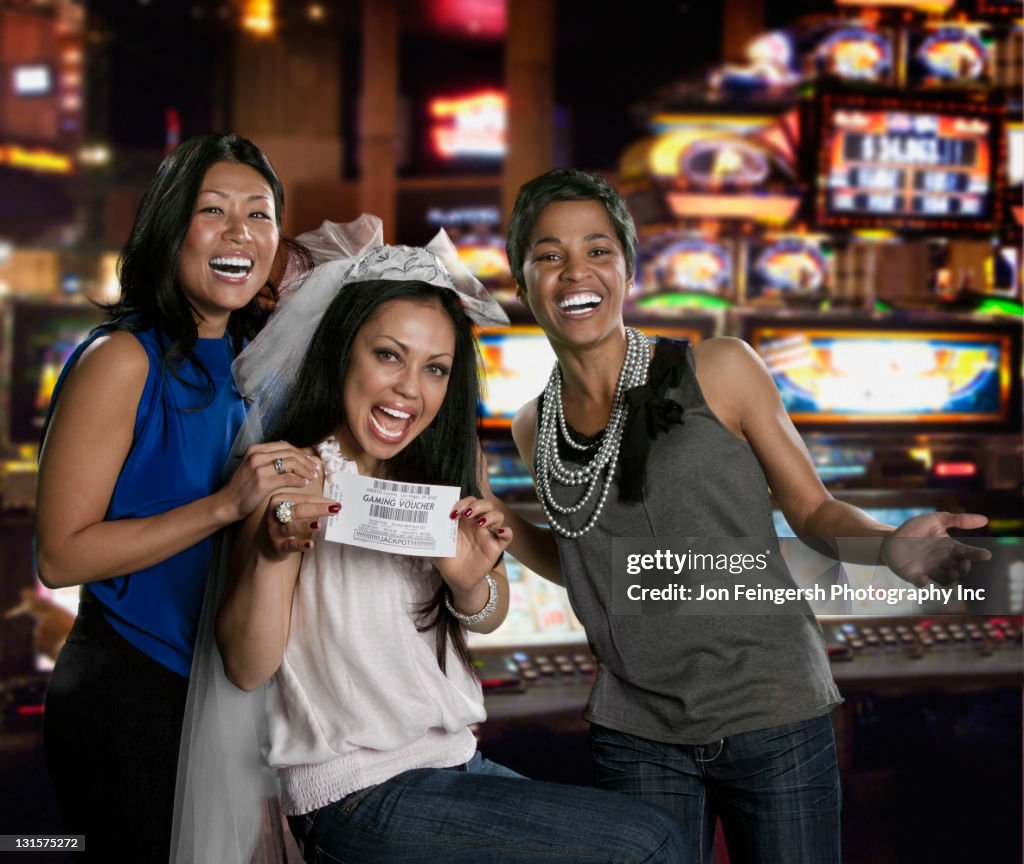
(365, 722)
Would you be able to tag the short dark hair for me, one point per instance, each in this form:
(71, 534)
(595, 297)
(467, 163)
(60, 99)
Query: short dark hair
(565, 184)
(148, 265)
(445, 452)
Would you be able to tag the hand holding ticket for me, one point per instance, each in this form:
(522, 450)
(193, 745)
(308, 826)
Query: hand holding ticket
(404, 518)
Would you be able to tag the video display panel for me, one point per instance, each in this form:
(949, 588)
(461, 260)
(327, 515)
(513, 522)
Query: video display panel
(909, 164)
(888, 377)
(43, 337)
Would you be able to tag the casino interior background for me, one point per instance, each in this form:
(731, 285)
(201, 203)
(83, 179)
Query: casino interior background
(837, 183)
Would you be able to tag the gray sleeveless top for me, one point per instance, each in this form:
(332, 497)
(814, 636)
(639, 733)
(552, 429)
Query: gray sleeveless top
(693, 678)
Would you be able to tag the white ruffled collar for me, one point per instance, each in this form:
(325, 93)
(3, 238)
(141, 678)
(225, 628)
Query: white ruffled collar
(335, 462)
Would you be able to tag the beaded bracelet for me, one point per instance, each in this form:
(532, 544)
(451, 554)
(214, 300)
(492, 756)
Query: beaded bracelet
(483, 614)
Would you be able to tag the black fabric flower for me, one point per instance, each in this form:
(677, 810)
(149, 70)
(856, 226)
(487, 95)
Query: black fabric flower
(651, 413)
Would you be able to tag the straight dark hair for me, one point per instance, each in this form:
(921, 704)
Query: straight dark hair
(148, 265)
(445, 452)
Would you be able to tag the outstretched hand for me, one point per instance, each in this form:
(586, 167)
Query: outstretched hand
(921, 549)
(482, 539)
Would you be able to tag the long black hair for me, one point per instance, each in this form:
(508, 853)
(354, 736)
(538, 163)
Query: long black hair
(148, 265)
(445, 452)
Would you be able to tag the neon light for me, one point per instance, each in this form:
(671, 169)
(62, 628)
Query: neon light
(679, 300)
(44, 161)
(1000, 306)
(955, 469)
(471, 125)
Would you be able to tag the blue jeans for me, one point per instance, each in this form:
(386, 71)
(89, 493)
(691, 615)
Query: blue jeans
(776, 790)
(482, 813)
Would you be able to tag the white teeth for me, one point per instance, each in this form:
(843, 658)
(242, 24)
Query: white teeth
(394, 412)
(244, 263)
(387, 433)
(578, 300)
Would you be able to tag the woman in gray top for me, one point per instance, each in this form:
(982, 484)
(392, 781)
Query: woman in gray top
(711, 715)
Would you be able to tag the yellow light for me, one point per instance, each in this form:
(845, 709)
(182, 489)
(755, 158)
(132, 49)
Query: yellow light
(45, 161)
(258, 17)
(922, 455)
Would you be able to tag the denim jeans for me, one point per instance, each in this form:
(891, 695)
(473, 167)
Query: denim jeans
(776, 790)
(482, 813)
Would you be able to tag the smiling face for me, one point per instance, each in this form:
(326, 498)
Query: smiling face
(575, 274)
(396, 381)
(230, 246)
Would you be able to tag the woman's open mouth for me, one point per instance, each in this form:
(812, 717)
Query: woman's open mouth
(390, 424)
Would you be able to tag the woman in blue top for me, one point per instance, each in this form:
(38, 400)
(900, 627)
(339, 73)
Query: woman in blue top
(130, 483)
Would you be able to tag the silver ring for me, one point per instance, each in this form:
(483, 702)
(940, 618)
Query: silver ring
(283, 512)
(279, 466)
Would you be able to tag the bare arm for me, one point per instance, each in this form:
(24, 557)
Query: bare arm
(254, 616)
(743, 395)
(86, 445)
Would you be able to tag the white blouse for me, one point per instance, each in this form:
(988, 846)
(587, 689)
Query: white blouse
(359, 696)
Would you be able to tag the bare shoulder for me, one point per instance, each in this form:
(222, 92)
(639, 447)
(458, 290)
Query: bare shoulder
(734, 381)
(117, 354)
(724, 350)
(725, 362)
(110, 374)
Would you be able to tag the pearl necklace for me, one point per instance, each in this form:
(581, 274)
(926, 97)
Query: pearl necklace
(604, 460)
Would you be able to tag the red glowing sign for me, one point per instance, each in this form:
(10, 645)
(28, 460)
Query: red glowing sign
(470, 125)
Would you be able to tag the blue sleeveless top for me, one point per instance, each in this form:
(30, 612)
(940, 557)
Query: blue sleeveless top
(180, 444)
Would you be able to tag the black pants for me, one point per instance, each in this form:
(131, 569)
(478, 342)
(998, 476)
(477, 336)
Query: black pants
(112, 729)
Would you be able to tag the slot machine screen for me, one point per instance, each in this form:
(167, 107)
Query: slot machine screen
(856, 54)
(913, 164)
(688, 264)
(43, 337)
(788, 266)
(946, 54)
(847, 376)
(517, 363)
(539, 613)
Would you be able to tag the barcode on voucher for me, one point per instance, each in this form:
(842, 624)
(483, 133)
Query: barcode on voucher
(396, 514)
(388, 486)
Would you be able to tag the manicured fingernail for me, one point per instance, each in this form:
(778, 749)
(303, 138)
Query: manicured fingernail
(453, 514)
(467, 512)
(315, 524)
(334, 508)
(482, 520)
(500, 531)
(308, 544)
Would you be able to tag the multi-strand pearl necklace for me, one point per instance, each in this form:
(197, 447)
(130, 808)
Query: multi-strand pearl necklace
(604, 460)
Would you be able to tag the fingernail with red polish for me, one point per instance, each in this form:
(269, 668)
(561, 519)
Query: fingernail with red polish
(308, 544)
(500, 531)
(481, 521)
(453, 514)
(315, 524)
(334, 508)
(468, 512)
